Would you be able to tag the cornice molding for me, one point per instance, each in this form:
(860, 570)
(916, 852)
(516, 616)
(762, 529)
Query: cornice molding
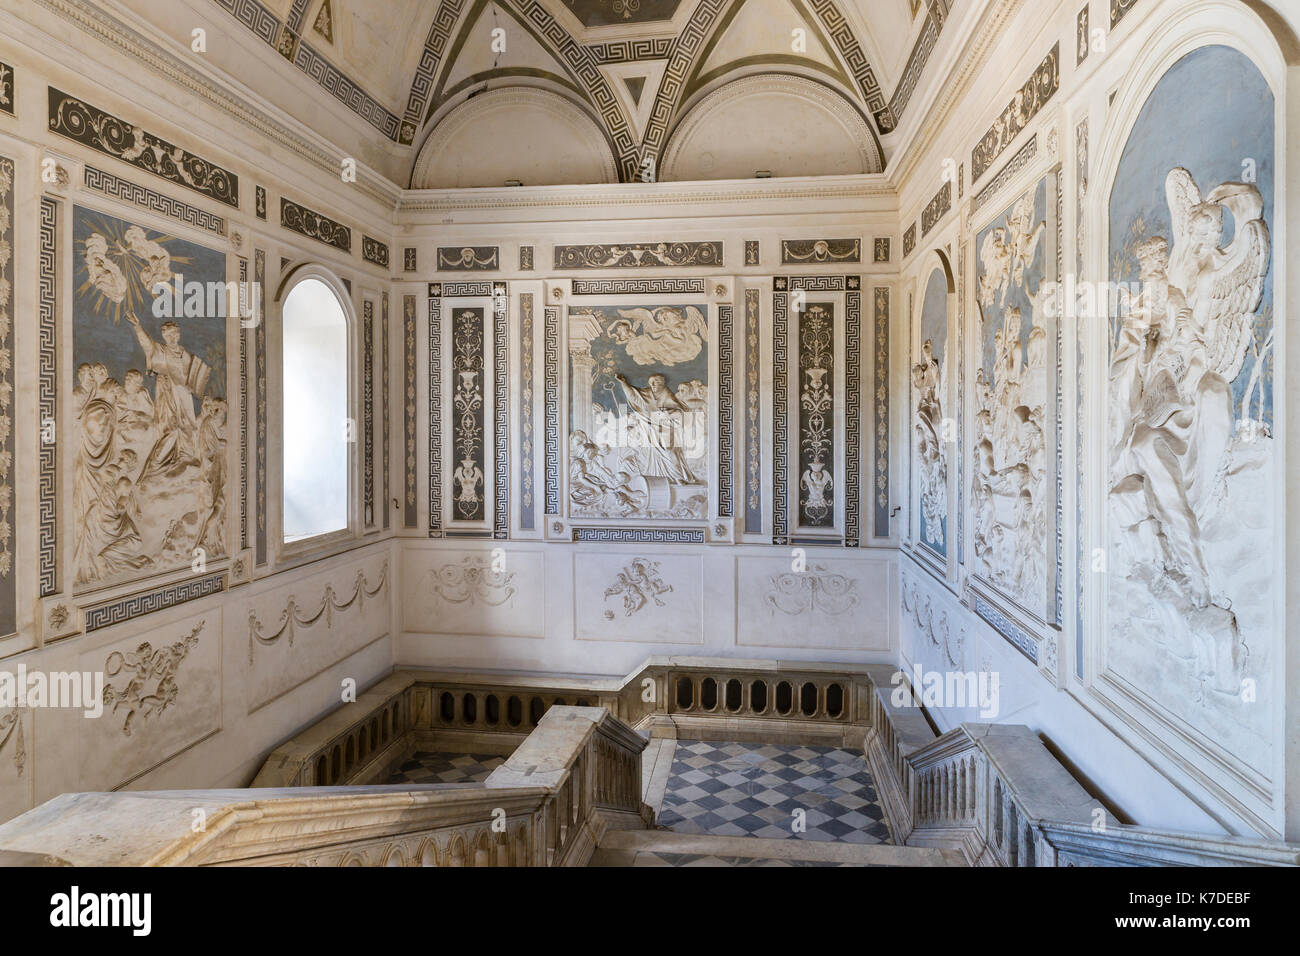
(114, 30)
(946, 90)
(795, 189)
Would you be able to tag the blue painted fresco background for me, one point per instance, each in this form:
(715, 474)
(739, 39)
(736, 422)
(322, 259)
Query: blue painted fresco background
(101, 332)
(1210, 113)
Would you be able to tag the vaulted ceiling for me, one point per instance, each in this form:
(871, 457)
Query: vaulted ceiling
(588, 90)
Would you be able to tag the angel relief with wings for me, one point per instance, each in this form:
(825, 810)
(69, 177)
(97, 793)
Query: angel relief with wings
(1180, 346)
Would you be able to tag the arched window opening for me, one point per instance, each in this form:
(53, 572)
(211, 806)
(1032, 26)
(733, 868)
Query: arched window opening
(315, 426)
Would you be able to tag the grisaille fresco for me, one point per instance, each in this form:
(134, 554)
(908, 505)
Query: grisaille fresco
(1010, 494)
(930, 389)
(148, 404)
(1189, 487)
(638, 419)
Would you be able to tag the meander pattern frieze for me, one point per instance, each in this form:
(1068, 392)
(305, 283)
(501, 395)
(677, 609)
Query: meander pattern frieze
(47, 292)
(780, 419)
(725, 377)
(127, 191)
(107, 134)
(668, 286)
(753, 415)
(852, 418)
(136, 605)
(1014, 165)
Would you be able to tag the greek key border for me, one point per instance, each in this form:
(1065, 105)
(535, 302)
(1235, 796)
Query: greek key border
(435, 410)
(852, 417)
(48, 397)
(125, 609)
(551, 374)
(127, 191)
(501, 410)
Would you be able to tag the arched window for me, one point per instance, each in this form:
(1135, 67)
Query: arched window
(316, 424)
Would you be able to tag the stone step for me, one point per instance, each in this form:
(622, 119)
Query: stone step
(665, 848)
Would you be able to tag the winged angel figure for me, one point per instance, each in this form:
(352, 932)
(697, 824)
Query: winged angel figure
(1181, 344)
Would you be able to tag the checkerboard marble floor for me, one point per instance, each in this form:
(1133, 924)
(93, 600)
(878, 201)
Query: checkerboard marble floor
(646, 858)
(740, 789)
(446, 768)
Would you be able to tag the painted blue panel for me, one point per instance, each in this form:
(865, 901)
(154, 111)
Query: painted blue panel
(1212, 114)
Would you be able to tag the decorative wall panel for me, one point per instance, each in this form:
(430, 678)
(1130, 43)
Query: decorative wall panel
(385, 451)
(1012, 481)
(500, 411)
(639, 411)
(6, 89)
(105, 133)
(670, 286)
(1190, 484)
(816, 331)
(527, 413)
(368, 413)
(409, 515)
(936, 208)
(259, 404)
(639, 255)
(435, 410)
(852, 418)
(469, 259)
(753, 415)
(780, 417)
(1031, 98)
(551, 383)
(468, 414)
(880, 405)
(150, 487)
(372, 250)
(930, 394)
(726, 374)
(313, 225)
(8, 543)
(820, 251)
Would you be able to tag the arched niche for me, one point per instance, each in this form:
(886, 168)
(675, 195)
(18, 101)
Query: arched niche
(1190, 170)
(933, 373)
(786, 124)
(534, 136)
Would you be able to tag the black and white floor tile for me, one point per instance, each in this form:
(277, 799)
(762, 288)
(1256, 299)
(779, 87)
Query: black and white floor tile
(446, 768)
(739, 789)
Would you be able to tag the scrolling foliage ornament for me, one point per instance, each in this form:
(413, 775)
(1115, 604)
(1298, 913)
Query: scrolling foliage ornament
(107, 134)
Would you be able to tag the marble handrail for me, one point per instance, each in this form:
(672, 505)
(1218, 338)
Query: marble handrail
(577, 774)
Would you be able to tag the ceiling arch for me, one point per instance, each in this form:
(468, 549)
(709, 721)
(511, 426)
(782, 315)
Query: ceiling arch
(786, 124)
(552, 141)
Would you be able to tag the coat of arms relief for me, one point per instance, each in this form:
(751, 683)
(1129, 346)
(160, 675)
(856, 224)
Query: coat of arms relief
(639, 412)
(148, 408)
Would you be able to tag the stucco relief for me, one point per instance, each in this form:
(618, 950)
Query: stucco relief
(149, 407)
(147, 684)
(1009, 488)
(638, 420)
(475, 579)
(930, 391)
(1190, 482)
(816, 589)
